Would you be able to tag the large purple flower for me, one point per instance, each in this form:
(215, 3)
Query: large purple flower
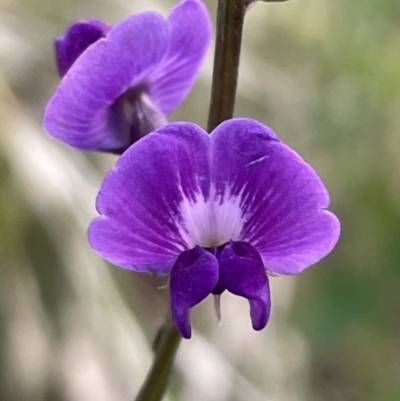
(119, 83)
(217, 212)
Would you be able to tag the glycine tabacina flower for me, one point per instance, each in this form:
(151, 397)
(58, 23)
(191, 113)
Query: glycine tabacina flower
(119, 83)
(216, 212)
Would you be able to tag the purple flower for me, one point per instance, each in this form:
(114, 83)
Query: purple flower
(217, 212)
(79, 36)
(121, 82)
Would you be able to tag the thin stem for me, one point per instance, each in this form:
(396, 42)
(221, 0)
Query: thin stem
(166, 345)
(230, 17)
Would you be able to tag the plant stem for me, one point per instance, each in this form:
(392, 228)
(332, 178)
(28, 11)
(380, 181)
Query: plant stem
(166, 346)
(230, 17)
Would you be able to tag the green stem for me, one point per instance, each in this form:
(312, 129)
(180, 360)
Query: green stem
(166, 346)
(230, 17)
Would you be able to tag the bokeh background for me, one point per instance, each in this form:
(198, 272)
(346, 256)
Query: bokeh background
(326, 76)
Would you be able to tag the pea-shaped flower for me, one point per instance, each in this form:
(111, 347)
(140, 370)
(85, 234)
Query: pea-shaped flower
(215, 212)
(120, 82)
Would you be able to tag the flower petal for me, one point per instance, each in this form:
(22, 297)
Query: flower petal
(79, 113)
(190, 34)
(281, 197)
(78, 37)
(193, 277)
(141, 227)
(242, 273)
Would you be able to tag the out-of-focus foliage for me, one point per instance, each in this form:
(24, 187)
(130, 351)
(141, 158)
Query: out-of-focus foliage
(326, 76)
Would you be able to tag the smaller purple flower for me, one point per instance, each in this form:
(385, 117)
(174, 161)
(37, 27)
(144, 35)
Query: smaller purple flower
(216, 212)
(79, 36)
(120, 82)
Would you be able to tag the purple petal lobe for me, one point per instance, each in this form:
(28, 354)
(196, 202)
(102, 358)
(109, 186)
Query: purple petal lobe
(242, 272)
(178, 188)
(190, 31)
(142, 201)
(194, 275)
(82, 112)
(281, 197)
(79, 36)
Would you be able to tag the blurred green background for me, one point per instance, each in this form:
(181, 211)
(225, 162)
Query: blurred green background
(326, 76)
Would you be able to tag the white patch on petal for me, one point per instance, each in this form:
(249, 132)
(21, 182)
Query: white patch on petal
(257, 161)
(210, 222)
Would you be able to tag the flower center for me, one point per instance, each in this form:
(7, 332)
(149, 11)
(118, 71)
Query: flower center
(212, 221)
(133, 115)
